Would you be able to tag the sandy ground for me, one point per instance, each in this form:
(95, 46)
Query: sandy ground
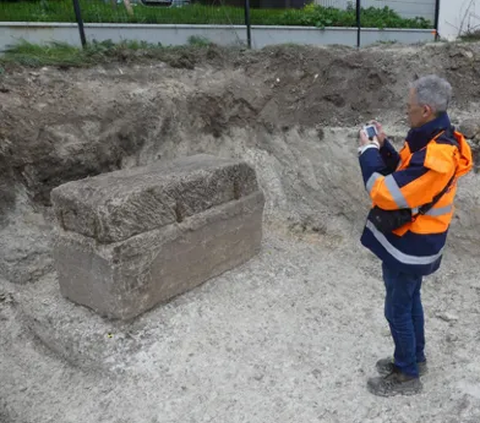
(291, 336)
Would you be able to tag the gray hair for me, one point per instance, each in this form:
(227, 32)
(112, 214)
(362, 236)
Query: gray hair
(433, 91)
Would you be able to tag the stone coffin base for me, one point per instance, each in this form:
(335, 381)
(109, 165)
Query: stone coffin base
(125, 279)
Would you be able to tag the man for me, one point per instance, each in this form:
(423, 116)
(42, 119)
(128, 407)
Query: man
(425, 172)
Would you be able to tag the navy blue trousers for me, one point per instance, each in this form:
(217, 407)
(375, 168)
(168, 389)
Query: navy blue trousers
(404, 313)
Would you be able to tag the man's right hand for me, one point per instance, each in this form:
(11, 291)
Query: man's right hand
(381, 134)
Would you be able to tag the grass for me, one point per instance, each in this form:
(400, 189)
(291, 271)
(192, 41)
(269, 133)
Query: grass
(199, 41)
(64, 55)
(102, 12)
(55, 54)
(471, 35)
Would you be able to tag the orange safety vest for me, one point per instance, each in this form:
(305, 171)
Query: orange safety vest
(410, 179)
(442, 160)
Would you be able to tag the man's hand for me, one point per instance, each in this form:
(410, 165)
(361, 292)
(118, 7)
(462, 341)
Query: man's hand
(363, 138)
(381, 134)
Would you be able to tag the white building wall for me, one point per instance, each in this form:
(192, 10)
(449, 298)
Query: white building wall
(458, 17)
(36, 32)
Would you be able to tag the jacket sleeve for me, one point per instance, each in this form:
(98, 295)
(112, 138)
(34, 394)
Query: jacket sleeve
(390, 156)
(408, 188)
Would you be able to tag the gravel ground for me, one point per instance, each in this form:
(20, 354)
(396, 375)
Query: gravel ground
(292, 335)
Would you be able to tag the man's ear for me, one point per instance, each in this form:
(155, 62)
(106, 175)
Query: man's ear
(427, 111)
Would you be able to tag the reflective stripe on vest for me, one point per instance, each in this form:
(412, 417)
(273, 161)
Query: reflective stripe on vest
(440, 211)
(395, 192)
(392, 187)
(399, 255)
(371, 181)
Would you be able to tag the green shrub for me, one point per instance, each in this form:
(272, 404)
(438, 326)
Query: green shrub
(102, 11)
(62, 54)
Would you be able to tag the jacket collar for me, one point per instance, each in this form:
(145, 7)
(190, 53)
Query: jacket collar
(418, 138)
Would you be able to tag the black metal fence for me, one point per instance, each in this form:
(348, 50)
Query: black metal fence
(319, 13)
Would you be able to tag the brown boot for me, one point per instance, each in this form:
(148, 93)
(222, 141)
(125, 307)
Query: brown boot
(395, 383)
(385, 366)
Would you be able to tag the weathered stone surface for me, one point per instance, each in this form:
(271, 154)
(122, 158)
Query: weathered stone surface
(125, 278)
(115, 206)
(470, 128)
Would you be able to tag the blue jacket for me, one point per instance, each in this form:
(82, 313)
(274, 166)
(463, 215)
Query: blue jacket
(414, 251)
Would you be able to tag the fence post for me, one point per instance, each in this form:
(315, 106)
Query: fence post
(247, 23)
(78, 15)
(359, 24)
(437, 19)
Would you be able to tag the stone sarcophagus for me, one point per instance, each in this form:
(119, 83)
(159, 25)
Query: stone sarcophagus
(131, 239)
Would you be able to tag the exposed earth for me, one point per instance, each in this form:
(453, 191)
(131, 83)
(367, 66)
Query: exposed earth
(291, 336)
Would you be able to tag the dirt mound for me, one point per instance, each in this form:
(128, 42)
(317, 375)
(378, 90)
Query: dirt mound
(58, 126)
(273, 107)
